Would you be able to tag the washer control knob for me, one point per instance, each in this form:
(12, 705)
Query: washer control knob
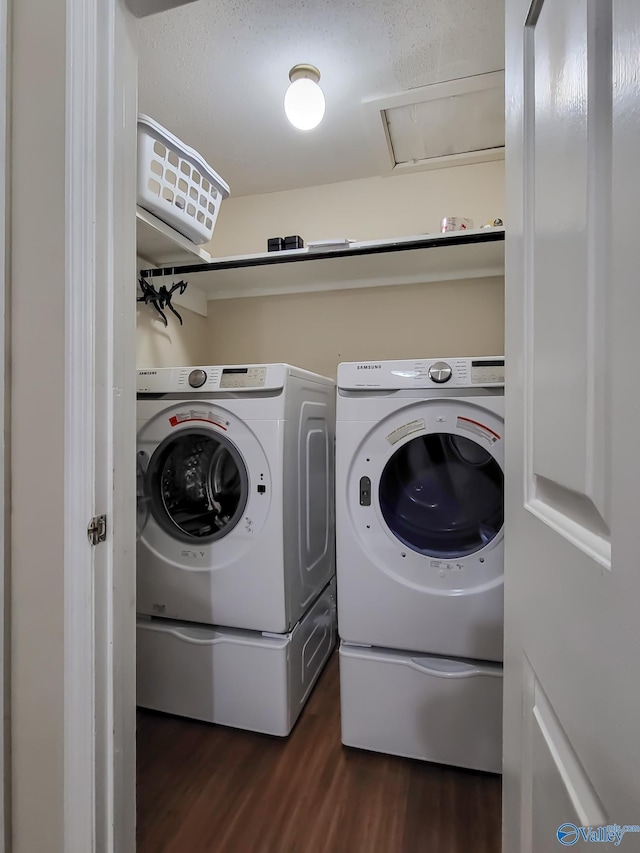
(197, 378)
(440, 372)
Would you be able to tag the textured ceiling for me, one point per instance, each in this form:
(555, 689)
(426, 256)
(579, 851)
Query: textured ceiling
(215, 72)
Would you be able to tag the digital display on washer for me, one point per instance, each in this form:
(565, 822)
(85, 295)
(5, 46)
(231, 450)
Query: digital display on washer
(487, 370)
(242, 377)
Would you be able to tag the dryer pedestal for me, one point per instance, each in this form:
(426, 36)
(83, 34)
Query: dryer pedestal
(420, 706)
(237, 678)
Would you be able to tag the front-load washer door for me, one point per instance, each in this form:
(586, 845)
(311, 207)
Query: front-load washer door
(210, 518)
(420, 543)
(196, 486)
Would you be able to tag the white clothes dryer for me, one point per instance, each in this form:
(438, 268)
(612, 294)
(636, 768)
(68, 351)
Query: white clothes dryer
(235, 494)
(419, 503)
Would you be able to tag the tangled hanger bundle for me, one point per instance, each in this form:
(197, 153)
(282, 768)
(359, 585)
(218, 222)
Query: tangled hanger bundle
(160, 299)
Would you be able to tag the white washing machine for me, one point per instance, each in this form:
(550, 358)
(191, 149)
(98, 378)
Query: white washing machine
(235, 494)
(419, 503)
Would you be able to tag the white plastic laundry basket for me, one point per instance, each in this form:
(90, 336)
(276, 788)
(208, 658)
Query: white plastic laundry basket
(176, 184)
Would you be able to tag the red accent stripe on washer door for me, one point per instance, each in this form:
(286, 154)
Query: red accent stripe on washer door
(174, 421)
(477, 423)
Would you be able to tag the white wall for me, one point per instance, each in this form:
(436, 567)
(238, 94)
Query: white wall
(367, 209)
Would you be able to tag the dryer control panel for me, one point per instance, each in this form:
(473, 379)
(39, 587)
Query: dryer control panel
(422, 373)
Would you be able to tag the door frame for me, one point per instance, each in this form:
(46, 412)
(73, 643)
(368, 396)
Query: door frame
(99, 581)
(5, 789)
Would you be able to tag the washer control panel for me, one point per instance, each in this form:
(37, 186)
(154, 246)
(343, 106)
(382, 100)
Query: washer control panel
(243, 377)
(422, 373)
(211, 378)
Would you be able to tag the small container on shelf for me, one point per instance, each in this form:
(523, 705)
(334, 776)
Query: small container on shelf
(275, 244)
(176, 184)
(293, 242)
(456, 223)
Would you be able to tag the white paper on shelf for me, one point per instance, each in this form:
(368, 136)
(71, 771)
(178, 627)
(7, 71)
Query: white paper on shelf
(338, 243)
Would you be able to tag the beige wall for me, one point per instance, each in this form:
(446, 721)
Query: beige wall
(37, 424)
(318, 330)
(175, 345)
(368, 209)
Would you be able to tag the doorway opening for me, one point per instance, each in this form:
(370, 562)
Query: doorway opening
(209, 787)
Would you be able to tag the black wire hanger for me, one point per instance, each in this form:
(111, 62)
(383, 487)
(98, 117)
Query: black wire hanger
(161, 298)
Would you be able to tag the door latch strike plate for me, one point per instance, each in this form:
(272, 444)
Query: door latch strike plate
(97, 529)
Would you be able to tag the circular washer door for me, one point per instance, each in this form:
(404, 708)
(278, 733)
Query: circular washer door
(442, 495)
(197, 485)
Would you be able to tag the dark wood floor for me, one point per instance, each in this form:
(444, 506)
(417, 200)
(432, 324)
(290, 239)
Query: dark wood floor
(209, 789)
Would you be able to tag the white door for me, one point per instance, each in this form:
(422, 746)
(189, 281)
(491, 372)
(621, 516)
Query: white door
(572, 591)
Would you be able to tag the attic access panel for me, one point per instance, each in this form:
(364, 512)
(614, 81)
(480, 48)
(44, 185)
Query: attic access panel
(143, 8)
(445, 124)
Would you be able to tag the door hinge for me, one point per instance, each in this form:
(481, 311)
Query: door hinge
(97, 529)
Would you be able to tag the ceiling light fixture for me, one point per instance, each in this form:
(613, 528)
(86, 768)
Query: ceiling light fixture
(304, 100)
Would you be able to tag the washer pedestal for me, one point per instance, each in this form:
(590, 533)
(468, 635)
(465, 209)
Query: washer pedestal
(237, 678)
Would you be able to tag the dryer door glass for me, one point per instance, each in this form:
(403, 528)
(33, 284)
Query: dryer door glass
(442, 495)
(197, 485)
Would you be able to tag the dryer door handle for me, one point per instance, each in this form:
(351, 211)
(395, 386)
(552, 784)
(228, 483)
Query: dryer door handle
(453, 669)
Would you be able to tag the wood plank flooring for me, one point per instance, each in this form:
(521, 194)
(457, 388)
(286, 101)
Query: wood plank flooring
(209, 789)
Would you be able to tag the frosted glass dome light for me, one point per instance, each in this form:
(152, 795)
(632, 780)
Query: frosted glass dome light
(304, 99)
